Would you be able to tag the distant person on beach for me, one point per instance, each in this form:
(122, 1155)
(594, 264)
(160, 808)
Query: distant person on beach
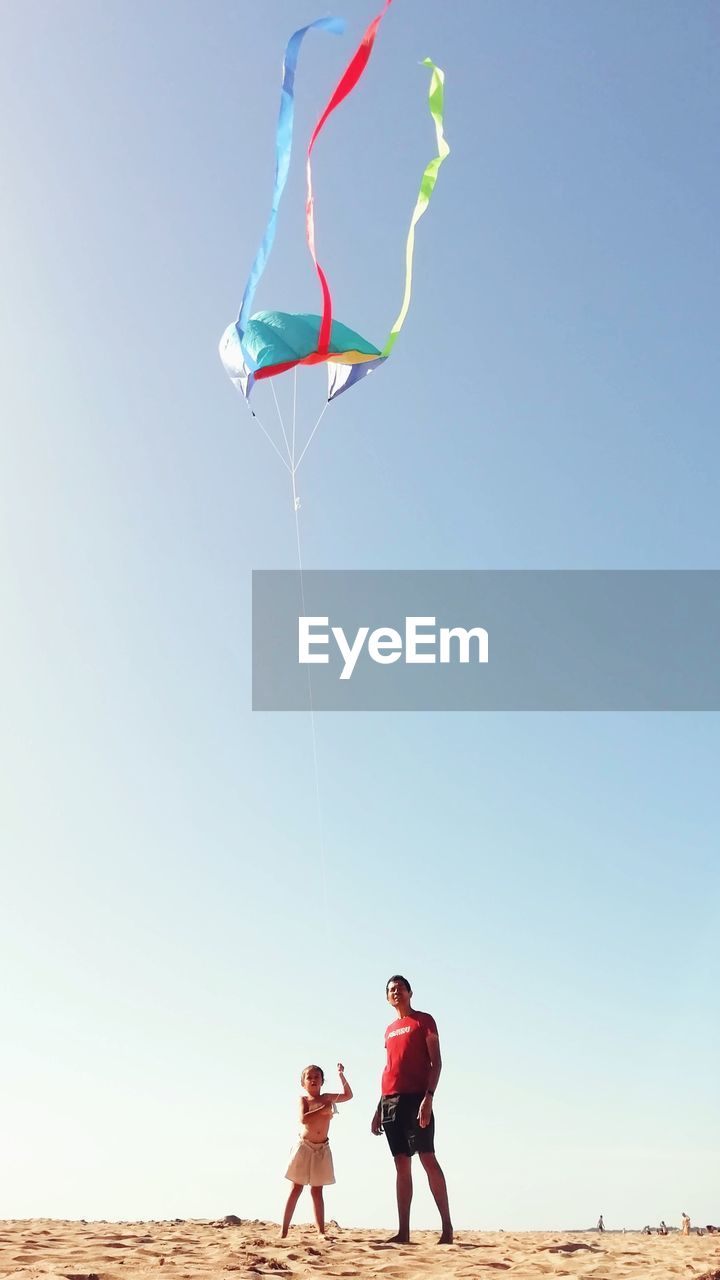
(662, 1229)
(685, 1228)
(601, 1224)
(311, 1164)
(405, 1110)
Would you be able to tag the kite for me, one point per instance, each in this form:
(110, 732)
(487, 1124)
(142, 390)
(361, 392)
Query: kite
(260, 346)
(267, 343)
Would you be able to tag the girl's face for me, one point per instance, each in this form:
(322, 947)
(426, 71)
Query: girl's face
(312, 1081)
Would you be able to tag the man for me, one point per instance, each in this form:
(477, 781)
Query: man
(405, 1110)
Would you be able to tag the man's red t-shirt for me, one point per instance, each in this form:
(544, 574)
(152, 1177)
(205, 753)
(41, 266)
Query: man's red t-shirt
(408, 1061)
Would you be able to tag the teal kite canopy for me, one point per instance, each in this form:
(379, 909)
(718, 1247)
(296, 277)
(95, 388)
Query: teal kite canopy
(280, 337)
(277, 340)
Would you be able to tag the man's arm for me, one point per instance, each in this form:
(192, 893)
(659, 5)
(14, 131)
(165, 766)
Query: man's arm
(376, 1122)
(433, 1047)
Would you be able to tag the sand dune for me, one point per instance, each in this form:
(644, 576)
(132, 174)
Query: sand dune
(32, 1250)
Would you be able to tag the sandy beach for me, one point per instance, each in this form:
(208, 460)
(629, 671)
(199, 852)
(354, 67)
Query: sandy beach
(32, 1249)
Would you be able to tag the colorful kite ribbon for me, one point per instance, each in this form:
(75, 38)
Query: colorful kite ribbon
(283, 151)
(346, 84)
(427, 186)
(343, 376)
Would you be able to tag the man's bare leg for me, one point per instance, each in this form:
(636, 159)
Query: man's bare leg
(318, 1208)
(404, 1188)
(438, 1187)
(295, 1193)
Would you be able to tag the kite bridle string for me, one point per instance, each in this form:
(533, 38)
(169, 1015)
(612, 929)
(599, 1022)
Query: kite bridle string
(312, 433)
(269, 438)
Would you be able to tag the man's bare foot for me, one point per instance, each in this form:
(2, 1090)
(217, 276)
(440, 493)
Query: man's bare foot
(398, 1239)
(447, 1236)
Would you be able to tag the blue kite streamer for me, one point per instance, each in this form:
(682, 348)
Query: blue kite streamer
(283, 149)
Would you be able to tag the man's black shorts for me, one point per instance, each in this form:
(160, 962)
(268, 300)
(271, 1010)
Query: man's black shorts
(398, 1113)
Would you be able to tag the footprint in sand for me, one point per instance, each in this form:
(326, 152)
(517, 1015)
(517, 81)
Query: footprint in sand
(570, 1248)
(499, 1266)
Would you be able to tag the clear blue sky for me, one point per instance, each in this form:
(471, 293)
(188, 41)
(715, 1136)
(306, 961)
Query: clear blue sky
(549, 883)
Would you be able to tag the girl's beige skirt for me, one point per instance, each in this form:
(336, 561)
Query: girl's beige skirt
(311, 1164)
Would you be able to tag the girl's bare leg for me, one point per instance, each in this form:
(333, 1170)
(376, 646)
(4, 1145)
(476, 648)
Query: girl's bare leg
(295, 1193)
(318, 1208)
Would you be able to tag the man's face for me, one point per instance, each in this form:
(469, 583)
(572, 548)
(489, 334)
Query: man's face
(398, 994)
(312, 1082)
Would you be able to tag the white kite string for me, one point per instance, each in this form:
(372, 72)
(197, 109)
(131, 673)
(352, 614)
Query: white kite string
(294, 408)
(267, 435)
(318, 798)
(293, 469)
(312, 433)
(282, 425)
